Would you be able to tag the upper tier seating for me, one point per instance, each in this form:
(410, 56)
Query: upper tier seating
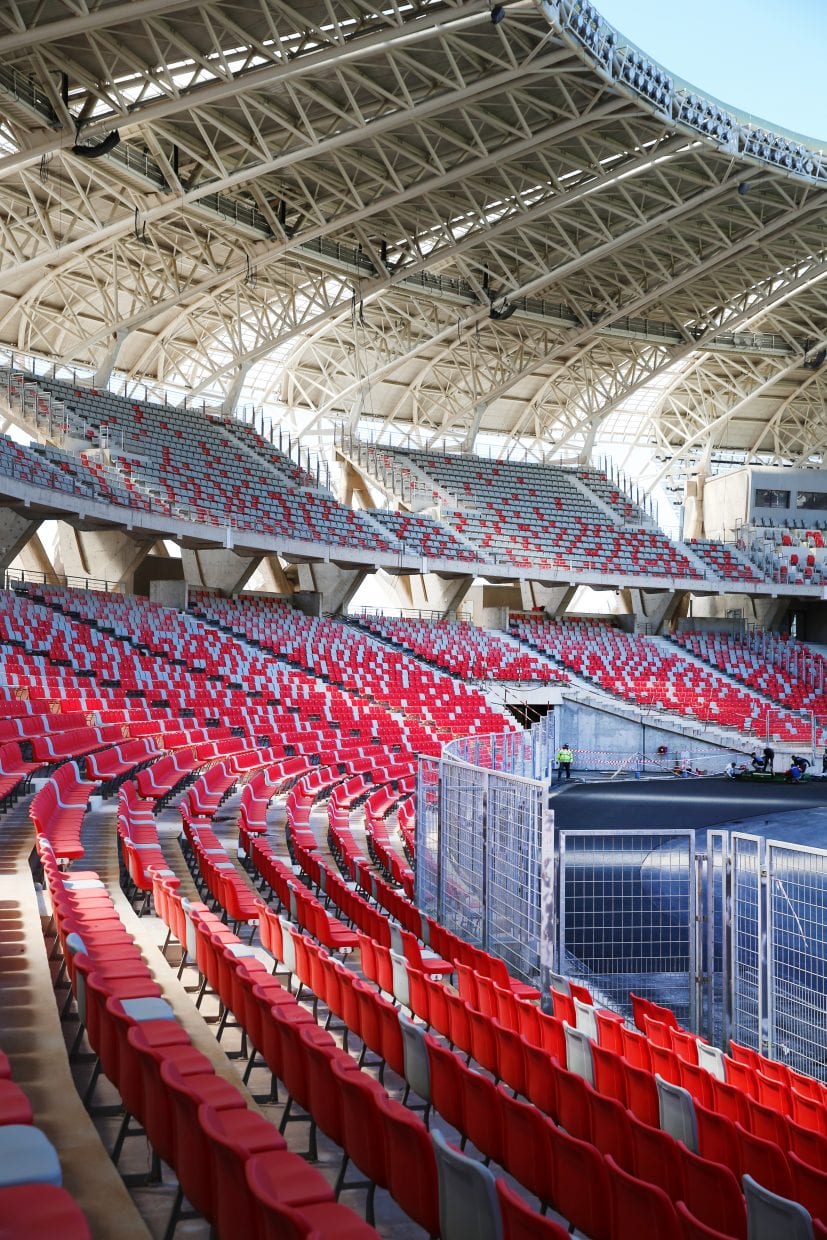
(465, 650)
(536, 516)
(183, 462)
(420, 534)
(641, 671)
(726, 562)
(790, 556)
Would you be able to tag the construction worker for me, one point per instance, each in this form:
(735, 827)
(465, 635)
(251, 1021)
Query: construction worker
(565, 757)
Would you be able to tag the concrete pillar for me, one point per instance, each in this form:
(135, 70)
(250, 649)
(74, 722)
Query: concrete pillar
(335, 585)
(430, 592)
(106, 555)
(653, 610)
(215, 568)
(15, 532)
(34, 558)
(354, 487)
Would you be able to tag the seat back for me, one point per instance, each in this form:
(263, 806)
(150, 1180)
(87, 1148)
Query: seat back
(579, 1054)
(467, 1195)
(415, 1058)
(770, 1216)
(677, 1113)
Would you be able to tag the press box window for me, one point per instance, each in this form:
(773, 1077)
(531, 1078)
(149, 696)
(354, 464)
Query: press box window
(813, 500)
(765, 498)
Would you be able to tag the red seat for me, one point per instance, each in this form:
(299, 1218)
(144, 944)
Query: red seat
(41, 1212)
(580, 1185)
(713, 1194)
(809, 1186)
(637, 1208)
(692, 1228)
(235, 1136)
(411, 1164)
(765, 1162)
(520, 1221)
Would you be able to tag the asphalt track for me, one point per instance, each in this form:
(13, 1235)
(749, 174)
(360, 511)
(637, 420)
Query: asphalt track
(797, 813)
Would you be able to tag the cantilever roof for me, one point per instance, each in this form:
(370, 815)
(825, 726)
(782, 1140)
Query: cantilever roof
(443, 224)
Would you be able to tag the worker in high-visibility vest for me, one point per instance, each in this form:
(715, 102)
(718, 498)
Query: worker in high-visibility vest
(565, 757)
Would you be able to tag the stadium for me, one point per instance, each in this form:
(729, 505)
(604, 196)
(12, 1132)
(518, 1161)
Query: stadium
(402, 410)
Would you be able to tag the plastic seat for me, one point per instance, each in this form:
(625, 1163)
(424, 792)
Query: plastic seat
(232, 1138)
(447, 1092)
(27, 1156)
(656, 1157)
(520, 1221)
(412, 1170)
(770, 1215)
(809, 1186)
(415, 1057)
(362, 1123)
(468, 1204)
(40, 1212)
(638, 1209)
(610, 1127)
(764, 1162)
(481, 1105)
(609, 1075)
(579, 1054)
(526, 1145)
(642, 1095)
(677, 1113)
(580, 1185)
(713, 1195)
(573, 1109)
(692, 1228)
(713, 1059)
(277, 1221)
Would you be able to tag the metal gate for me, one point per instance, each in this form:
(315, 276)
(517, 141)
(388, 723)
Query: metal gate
(626, 908)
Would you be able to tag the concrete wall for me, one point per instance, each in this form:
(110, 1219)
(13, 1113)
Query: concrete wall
(168, 593)
(595, 730)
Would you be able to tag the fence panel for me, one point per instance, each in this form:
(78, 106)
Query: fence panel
(461, 873)
(513, 839)
(747, 969)
(427, 834)
(797, 977)
(716, 1022)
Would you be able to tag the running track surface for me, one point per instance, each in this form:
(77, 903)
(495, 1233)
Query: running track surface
(795, 813)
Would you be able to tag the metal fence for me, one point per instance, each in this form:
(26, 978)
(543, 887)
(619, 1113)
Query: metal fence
(626, 903)
(732, 937)
(796, 928)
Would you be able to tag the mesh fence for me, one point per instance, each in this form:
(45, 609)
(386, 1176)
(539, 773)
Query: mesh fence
(714, 1020)
(626, 910)
(747, 946)
(796, 971)
(427, 834)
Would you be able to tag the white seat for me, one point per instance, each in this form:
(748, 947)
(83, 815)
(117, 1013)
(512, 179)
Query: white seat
(579, 1053)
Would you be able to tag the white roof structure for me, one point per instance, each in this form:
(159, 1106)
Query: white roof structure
(435, 218)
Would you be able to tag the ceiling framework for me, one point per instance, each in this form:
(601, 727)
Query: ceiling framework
(407, 214)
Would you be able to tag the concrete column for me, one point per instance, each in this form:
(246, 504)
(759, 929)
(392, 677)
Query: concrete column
(335, 585)
(15, 532)
(429, 592)
(653, 610)
(107, 364)
(353, 486)
(108, 555)
(215, 568)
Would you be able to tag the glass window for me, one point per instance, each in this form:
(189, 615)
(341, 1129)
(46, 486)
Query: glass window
(766, 498)
(812, 499)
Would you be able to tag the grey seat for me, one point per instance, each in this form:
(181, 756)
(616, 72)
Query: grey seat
(770, 1217)
(468, 1205)
(677, 1113)
(416, 1064)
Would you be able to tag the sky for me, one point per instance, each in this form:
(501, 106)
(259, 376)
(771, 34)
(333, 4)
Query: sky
(768, 59)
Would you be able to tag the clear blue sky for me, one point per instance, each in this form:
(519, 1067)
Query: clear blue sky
(767, 59)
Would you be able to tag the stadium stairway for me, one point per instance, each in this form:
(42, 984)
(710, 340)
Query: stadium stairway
(32, 1036)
